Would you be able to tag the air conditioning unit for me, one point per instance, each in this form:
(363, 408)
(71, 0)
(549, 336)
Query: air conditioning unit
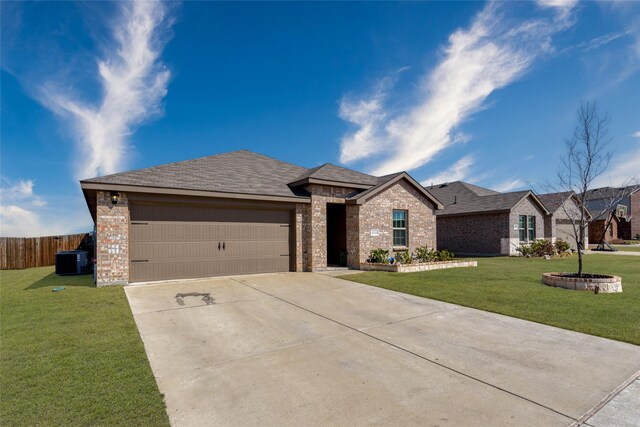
(72, 262)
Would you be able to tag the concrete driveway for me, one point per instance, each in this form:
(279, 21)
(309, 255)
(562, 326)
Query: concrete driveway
(309, 349)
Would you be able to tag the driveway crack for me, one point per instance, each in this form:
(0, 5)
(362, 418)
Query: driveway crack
(398, 347)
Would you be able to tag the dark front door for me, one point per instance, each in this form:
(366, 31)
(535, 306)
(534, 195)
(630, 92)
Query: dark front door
(336, 232)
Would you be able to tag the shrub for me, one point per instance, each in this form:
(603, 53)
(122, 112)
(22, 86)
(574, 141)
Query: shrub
(542, 247)
(379, 256)
(424, 254)
(524, 249)
(445, 255)
(404, 257)
(562, 246)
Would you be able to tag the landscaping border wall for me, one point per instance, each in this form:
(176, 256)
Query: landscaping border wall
(607, 285)
(412, 268)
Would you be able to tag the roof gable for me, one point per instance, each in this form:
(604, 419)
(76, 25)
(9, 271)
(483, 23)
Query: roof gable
(554, 201)
(335, 175)
(387, 181)
(461, 198)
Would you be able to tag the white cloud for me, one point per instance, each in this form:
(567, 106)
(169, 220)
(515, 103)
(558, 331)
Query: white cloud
(24, 213)
(622, 170)
(134, 82)
(19, 222)
(509, 185)
(459, 171)
(489, 55)
(367, 114)
(20, 191)
(563, 7)
(637, 134)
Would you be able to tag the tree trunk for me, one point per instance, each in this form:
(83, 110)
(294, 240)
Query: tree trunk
(579, 262)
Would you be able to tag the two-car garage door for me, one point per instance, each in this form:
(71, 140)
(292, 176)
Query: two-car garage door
(188, 241)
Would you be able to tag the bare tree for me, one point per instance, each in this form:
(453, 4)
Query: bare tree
(587, 158)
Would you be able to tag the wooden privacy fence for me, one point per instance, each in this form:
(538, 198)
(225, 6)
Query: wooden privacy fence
(25, 252)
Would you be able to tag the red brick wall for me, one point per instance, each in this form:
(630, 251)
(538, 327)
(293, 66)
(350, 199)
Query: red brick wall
(473, 234)
(112, 238)
(634, 210)
(377, 214)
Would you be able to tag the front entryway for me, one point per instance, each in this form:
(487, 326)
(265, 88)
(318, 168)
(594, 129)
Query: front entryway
(336, 233)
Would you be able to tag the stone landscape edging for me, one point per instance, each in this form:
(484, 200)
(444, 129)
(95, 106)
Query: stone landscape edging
(411, 268)
(606, 285)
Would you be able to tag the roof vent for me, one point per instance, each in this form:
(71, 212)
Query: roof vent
(455, 199)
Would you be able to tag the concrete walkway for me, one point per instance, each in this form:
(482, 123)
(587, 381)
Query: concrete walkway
(310, 349)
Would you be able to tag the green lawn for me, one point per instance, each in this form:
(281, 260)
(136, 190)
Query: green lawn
(73, 357)
(627, 248)
(512, 286)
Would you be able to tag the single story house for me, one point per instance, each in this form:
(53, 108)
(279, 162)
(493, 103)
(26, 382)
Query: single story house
(564, 213)
(242, 212)
(608, 229)
(621, 221)
(480, 221)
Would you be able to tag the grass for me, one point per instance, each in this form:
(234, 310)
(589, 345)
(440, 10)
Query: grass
(627, 248)
(512, 286)
(73, 357)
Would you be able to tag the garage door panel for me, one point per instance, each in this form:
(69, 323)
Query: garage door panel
(150, 271)
(206, 250)
(165, 249)
(235, 231)
(174, 232)
(191, 213)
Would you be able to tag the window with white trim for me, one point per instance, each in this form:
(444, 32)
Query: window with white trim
(400, 235)
(527, 228)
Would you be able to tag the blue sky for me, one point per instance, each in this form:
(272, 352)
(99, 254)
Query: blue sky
(482, 92)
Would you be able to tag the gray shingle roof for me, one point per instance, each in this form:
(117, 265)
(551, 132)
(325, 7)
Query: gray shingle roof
(461, 198)
(553, 201)
(330, 172)
(380, 181)
(240, 171)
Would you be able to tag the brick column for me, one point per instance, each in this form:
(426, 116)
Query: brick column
(353, 236)
(112, 238)
(302, 236)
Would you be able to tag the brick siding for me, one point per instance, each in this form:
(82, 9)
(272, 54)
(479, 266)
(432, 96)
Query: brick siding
(525, 207)
(377, 214)
(488, 234)
(473, 234)
(634, 211)
(316, 242)
(112, 237)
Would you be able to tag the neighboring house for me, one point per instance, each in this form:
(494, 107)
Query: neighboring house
(241, 212)
(621, 221)
(564, 213)
(607, 229)
(480, 221)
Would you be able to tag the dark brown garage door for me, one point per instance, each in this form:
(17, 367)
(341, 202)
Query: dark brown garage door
(177, 242)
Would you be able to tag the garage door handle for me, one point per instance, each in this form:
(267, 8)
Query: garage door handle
(223, 248)
(139, 260)
(218, 245)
